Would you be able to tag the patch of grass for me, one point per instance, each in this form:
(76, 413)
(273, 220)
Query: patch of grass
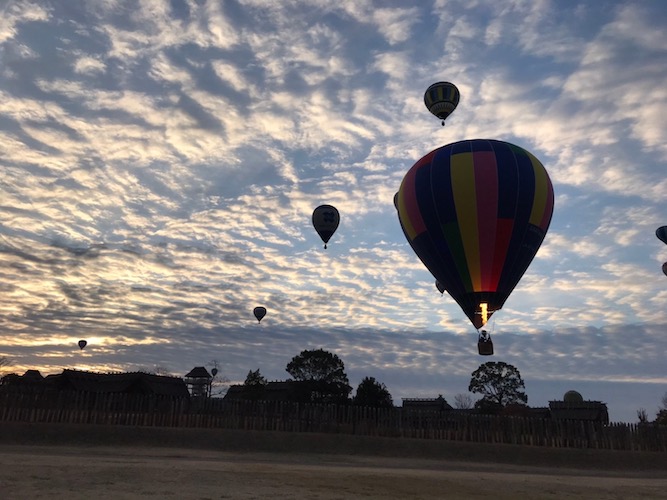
(239, 441)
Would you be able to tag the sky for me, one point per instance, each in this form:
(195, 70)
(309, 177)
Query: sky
(161, 162)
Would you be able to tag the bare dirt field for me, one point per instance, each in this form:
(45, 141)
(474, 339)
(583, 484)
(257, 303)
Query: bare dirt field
(102, 462)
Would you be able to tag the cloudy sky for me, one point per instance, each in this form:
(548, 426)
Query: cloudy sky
(161, 161)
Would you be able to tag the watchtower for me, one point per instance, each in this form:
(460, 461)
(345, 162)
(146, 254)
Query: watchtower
(199, 381)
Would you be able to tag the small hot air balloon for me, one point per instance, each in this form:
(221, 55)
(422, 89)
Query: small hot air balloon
(441, 99)
(475, 212)
(664, 268)
(439, 286)
(661, 233)
(82, 344)
(214, 372)
(259, 313)
(325, 221)
(396, 200)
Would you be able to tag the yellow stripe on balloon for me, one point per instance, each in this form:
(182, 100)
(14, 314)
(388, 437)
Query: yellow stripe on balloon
(541, 191)
(405, 220)
(465, 201)
(403, 214)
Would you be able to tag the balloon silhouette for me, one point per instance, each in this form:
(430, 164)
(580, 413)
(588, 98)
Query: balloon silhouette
(325, 221)
(259, 313)
(441, 99)
(664, 268)
(661, 233)
(82, 344)
(476, 212)
(439, 286)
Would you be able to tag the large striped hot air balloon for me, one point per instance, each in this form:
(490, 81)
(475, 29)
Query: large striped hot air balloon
(476, 212)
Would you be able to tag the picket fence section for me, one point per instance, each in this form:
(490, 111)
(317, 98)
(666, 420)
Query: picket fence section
(161, 411)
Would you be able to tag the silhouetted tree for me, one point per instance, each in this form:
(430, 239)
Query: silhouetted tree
(642, 416)
(499, 384)
(320, 376)
(661, 417)
(370, 392)
(254, 378)
(254, 385)
(219, 383)
(463, 401)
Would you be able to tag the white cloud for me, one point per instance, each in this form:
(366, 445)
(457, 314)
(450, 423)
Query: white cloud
(396, 24)
(160, 168)
(15, 14)
(89, 65)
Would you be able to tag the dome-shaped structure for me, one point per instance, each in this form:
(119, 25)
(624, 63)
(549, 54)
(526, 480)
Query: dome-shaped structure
(573, 397)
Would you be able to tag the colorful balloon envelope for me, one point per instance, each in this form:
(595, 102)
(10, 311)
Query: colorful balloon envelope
(82, 344)
(476, 212)
(325, 221)
(661, 233)
(259, 313)
(441, 99)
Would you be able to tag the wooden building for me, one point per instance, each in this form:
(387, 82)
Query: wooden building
(198, 381)
(91, 382)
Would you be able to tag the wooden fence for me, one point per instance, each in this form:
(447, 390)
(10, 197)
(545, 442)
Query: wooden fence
(150, 410)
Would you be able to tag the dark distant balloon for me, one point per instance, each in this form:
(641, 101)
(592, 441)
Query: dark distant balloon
(325, 221)
(664, 268)
(396, 200)
(475, 212)
(441, 99)
(439, 286)
(259, 313)
(214, 372)
(661, 233)
(82, 344)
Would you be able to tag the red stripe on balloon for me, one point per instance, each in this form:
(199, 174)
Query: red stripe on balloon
(486, 191)
(504, 228)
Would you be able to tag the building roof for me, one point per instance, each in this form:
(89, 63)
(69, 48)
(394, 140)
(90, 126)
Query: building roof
(198, 372)
(583, 410)
(282, 390)
(135, 382)
(438, 403)
(32, 376)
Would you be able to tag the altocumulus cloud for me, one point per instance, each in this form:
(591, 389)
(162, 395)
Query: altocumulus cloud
(161, 162)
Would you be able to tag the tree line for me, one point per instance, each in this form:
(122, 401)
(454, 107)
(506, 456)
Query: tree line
(318, 376)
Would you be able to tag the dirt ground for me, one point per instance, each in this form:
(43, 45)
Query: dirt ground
(96, 462)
